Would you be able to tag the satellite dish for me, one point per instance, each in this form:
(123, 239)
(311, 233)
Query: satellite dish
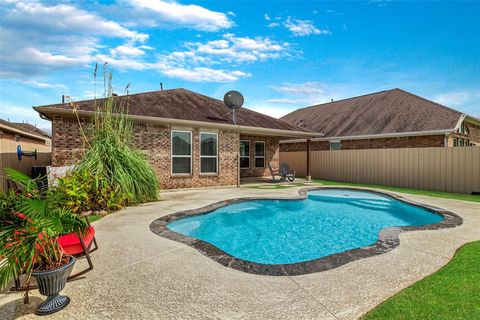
(233, 100)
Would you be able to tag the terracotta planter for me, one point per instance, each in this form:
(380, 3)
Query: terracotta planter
(50, 283)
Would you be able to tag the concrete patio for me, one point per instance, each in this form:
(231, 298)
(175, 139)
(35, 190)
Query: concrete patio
(139, 275)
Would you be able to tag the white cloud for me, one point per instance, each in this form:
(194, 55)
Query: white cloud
(239, 49)
(198, 61)
(203, 74)
(465, 100)
(267, 17)
(306, 93)
(306, 88)
(44, 85)
(37, 38)
(20, 114)
(175, 15)
(127, 50)
(273, 24)
(301, 28)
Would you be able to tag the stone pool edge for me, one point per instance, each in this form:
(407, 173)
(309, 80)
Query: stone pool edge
(388, 238)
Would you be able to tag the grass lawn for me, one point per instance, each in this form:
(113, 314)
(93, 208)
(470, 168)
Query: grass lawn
(456, 196)
(451, 293)
(95, 217)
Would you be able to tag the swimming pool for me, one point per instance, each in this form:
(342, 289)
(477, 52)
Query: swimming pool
(280, 232)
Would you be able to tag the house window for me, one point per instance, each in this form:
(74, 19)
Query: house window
(455, 142)
(467, 143)
(335, 145)
(208, 152)
(181, 152)
(464, 129)
(244, 154)
(460, 142)
(259, 154)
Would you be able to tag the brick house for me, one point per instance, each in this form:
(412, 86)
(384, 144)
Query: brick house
(386, 119)
(189, 138)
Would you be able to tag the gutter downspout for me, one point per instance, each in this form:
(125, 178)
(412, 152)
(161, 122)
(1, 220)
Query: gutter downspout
(238, 161)
(445, 143)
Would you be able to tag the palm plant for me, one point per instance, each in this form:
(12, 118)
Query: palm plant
(30, 223)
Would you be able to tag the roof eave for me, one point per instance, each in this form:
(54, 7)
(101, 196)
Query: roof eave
(28, 134)
(48, 111)
(379, 136)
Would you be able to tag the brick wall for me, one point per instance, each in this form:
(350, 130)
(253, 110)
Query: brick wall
(154, 141)
(272, 156)
(381, 143)
(67, 141)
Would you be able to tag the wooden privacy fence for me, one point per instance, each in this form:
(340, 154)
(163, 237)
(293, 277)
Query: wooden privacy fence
(438, 169)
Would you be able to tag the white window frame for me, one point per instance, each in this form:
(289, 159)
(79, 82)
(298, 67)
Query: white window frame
(240, 157)
(200, 153)
(174, 156)
(334, 142)
(255, 154)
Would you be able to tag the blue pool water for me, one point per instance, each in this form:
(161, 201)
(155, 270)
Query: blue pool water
(282, 232)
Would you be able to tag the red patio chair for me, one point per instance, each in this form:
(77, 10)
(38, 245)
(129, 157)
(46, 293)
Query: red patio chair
(73, 245)
(77, 246)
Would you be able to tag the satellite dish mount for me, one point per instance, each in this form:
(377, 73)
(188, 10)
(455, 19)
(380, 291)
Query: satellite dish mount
(233, 100)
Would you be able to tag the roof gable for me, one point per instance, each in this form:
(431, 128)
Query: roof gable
(385, 112)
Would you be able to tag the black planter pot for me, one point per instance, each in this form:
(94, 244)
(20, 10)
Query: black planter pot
(50, 283)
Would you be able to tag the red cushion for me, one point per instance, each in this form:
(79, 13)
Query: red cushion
(70, 243)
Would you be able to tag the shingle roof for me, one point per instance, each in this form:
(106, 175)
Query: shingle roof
(25, 127)
(391, 111)
(31, 129)
(186, 105)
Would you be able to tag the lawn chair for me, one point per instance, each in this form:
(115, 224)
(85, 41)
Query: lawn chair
(73, 245)
(286, 173)
(274, 173)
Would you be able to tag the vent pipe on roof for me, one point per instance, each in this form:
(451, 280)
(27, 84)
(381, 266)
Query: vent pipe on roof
(63, 98)
(331, 100)
(161, 86)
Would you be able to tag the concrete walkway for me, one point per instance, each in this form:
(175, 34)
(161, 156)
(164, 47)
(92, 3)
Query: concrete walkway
(139, 275)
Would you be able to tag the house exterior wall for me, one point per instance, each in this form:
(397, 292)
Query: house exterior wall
(155, 141)
(380, 143)
(473, 136)
(272, 156)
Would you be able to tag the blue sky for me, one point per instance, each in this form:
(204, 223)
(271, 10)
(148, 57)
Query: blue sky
(280, 55)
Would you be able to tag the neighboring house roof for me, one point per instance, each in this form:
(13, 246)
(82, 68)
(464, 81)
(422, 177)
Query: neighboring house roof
(31, 129)
(389, 112)
(23, 129)
(185, 105)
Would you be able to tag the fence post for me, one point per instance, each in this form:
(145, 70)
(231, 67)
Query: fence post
(309, 176)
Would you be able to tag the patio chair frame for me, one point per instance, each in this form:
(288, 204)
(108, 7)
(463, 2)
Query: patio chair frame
(274, 172)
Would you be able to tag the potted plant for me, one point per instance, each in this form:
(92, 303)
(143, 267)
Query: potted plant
(30, 224)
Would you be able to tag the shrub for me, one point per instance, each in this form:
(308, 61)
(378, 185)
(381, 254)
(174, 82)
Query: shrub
(81, 192)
